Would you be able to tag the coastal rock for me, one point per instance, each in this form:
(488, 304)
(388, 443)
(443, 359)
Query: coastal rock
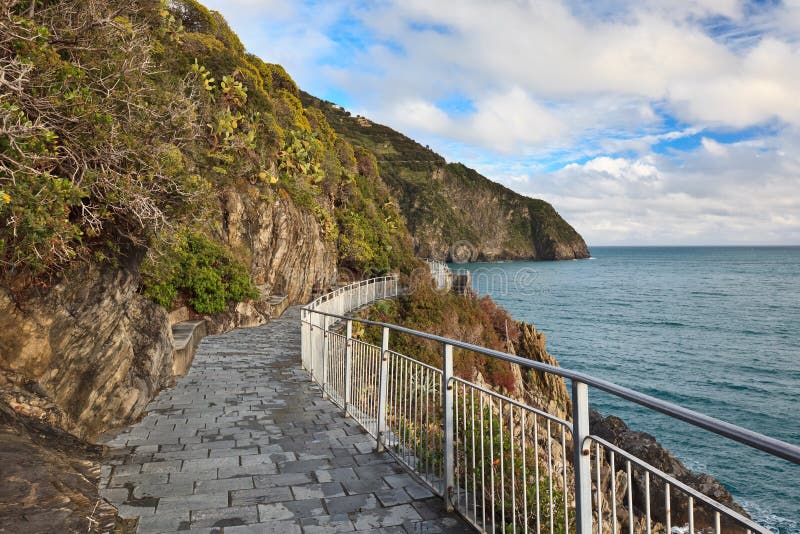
(453, 212)
(545, 391)
(645, 447)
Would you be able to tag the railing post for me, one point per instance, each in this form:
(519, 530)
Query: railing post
(383, 391)
(324, 356)
(311, 344)
(348, 367)
(447, 403)
(581, 460)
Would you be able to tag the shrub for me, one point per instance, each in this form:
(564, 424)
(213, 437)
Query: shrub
(203, 271)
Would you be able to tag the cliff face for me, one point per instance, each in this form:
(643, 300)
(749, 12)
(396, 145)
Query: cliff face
(453, 212)
(91, 345)
(99, 351)
(287, 253)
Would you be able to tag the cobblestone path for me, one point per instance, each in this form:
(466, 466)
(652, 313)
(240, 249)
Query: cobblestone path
(244, 443)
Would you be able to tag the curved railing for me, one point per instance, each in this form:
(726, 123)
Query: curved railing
(343, 300)
(502, 464)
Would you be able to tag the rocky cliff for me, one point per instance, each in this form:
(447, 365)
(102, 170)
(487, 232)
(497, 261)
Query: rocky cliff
(90, 344)
(453, 212)
(98, 350)
(283, 244)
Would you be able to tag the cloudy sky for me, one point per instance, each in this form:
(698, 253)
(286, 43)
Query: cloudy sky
(644, 122)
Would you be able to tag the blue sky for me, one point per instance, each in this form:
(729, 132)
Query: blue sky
(642, 122)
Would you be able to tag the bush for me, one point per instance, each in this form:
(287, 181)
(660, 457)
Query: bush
(201, 270)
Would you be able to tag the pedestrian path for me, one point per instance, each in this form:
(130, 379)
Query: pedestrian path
(244, 443)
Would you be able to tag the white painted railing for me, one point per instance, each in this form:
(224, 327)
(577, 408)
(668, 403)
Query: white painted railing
(503, 465)
(441, 274)
(342, 301)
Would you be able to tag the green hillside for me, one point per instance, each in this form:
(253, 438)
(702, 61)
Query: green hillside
(448, 204)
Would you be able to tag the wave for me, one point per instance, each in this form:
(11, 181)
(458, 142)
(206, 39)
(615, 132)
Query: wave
(660, 323)
(768, 518)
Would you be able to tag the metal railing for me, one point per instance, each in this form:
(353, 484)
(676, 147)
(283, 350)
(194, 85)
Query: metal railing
(500, 463)
(345, 299)
(440, 273)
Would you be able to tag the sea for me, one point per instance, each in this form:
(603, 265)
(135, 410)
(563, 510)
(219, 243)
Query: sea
(715, 329)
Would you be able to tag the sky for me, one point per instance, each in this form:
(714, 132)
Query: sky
(643, 122)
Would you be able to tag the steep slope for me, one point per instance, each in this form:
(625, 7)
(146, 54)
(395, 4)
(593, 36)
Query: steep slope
(453, 212)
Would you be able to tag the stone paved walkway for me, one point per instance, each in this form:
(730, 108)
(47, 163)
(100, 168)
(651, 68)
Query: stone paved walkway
(244, 443)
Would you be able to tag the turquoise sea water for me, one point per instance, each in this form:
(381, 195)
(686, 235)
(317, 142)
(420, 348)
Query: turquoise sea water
(716, 329)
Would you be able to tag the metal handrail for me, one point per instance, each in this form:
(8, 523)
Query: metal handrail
(773, 446)
(376, 386)
(676, 483)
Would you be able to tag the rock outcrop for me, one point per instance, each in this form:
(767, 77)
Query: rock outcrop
(287, 253)
(99, 351)
(49, 480)
(645, 447)
(544, 391)
(91, 345)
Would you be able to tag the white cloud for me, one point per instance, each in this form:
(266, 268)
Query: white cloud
(749, 196)
(717, 149)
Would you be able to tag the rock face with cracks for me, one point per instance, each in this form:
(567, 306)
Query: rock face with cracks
(91, 345)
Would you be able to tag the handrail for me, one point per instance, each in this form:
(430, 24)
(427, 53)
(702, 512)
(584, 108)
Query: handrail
(742, 435)
(421, 415)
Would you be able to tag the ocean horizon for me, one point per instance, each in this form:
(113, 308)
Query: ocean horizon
(712, 328)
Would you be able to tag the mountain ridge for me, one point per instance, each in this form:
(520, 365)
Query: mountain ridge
(452, 210)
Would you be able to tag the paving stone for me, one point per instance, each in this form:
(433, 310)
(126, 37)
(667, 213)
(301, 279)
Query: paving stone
(208, 474)
(225, 517)
(377, 470)
(286, 479)
(367, 485)
(318, 491)
(303, 466)
(352, 503)
(305, 508)
(247, 451)
(386, 517)
(335, 475)
(173, 489)
(228, 484)
(209, 463)
(193, 502)
(126, 470)
(400, 481)
(327, 523)
(273, 512)
(247, 470)
(261, 495)
(127, 511)
(418, 491)
(167, 466)
(244, 443)
(365, 446)
(115, 494)
(165, 522)
(392, 497)
(147, 478)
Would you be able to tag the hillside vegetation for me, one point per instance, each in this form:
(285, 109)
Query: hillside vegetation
(125, 123)
(453, 212)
